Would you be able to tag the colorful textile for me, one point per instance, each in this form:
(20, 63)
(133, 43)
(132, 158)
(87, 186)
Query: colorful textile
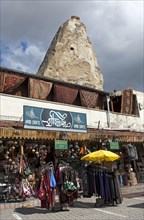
(1, 81)
(68, 185)
(84, 150)
(64, 94)
(52, 179)
(39, 89)
(26, 188)
(88, 99)
(9, 82)
(127, 101)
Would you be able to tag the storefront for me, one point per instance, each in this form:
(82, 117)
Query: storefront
(25, 150)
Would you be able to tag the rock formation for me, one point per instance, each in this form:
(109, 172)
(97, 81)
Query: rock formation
(71, 58)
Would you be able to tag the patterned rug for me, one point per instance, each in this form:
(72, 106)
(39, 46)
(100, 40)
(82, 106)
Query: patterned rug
(127, 101)
(88, 99)
(39, 89)
(9, 82)
(64, 94)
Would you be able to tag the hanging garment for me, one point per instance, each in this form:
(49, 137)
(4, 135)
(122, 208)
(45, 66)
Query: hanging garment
(131, 151)
(91, 180)
(101, 178)
(108, 196)
(42, 191)
(107, 186)
(118, 193)
(52, 179)
(136, 153)
(84, 179)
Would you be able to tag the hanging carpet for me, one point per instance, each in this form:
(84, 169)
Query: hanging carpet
(127, 101)
(88, 99)
(9, 82)
(64, 94)
(39, 89)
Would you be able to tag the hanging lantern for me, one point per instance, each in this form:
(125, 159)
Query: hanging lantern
(37, 152)
(70, 146)
(33, 150)
(37, 155)
(6, 157)
(1, 148)
(7, 152)
(13, 147)
(9, 142)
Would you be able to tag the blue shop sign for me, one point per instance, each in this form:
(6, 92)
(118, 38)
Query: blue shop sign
(51, 119)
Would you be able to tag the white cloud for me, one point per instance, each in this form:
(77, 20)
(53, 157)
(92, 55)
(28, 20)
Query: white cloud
(115, 29)
(28, 60)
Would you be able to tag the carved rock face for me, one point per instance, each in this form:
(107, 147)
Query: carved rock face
(71, 58)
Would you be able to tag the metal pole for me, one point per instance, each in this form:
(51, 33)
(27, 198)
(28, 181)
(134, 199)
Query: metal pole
(108, 111)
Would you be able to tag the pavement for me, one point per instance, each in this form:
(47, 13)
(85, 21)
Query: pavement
(132, 208)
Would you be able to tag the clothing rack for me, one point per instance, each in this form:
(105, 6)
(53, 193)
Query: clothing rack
(102, 167)
(63, 163)
(49, 164)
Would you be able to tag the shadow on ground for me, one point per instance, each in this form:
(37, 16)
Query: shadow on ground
(141, 205)
(31, 210)
(39, 210)
(132, 195)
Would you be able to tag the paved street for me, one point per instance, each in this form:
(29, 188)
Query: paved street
(84, 209)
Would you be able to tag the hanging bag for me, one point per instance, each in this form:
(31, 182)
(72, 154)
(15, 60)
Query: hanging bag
(26, 188)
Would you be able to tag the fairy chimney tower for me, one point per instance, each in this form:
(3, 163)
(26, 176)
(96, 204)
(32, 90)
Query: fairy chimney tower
(71, 58)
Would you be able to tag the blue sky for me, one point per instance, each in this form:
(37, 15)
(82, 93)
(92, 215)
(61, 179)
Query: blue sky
(115, 29)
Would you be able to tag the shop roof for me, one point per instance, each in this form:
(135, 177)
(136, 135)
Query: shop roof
(11, 130)
(4, 69)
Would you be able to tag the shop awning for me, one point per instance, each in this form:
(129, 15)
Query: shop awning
(123, 136)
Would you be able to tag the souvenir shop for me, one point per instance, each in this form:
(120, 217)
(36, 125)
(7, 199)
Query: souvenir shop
(29, 159)
(30, 164)
(42, 170)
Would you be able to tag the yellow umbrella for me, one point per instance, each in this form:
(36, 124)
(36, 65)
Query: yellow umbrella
(100, 156)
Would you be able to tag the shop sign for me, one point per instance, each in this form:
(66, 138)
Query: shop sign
(61, 145)
(114, 145)
(51, 119)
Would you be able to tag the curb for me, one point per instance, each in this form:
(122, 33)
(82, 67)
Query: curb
(28, 203)
(127, 192)
(13, 205)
